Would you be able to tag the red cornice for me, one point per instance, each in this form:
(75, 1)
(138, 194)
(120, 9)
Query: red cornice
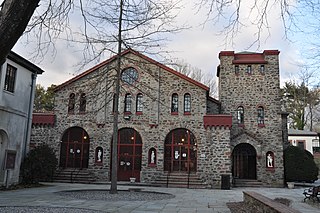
(217, 121)
(43, 119)
(139, 55)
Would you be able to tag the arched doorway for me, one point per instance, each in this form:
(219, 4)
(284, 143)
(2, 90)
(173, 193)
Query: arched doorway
(74, 152)
(244, 161)
(129, 154)
(180, 151)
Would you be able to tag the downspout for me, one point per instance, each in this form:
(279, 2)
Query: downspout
(29, 115)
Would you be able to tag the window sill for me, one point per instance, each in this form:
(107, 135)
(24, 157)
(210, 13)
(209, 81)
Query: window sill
(139, 113)
(270, 169)
(152, 165)
(261, 125)
(127, 113)
(174, 113)
(187, 113)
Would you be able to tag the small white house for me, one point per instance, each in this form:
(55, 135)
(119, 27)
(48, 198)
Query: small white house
(17, 89)
(305, 139)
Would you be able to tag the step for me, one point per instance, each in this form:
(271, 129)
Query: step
(247, 183)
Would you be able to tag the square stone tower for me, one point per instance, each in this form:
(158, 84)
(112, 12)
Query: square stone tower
(249, 90)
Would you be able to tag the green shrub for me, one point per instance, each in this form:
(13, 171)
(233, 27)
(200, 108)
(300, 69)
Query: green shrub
(39, 165)
(299, 165)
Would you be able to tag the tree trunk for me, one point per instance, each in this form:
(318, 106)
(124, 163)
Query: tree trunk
(14, 18)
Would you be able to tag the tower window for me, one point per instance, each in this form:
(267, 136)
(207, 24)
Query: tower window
(240, 115)
(260, 115)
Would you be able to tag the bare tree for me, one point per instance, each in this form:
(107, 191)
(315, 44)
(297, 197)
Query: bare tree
(195, 73)
(14, 17)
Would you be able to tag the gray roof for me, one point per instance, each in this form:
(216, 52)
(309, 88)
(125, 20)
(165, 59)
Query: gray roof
(294, 132)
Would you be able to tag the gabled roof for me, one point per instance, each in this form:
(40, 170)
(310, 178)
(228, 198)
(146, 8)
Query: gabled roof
(24, 62)
(150, 60)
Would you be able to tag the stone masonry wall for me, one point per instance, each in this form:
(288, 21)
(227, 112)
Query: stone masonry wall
(251, 91)
(156, 121)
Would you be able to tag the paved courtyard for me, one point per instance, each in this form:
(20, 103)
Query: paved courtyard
(52, 198)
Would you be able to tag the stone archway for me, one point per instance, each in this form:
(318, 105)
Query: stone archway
(180, 151)
(244, 161)
(74, 151)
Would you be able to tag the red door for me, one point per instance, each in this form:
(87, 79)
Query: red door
(180, 151)
(129, 154)
(74, 151)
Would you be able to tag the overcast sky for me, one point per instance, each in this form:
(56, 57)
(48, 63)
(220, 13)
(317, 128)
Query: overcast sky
(198, 46)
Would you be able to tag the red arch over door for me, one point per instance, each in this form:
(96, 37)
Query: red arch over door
(74, 151)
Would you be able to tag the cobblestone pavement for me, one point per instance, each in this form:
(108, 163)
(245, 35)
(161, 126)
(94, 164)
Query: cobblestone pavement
(56, 197)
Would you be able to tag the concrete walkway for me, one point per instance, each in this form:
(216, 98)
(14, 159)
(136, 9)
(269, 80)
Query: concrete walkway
(185, 201)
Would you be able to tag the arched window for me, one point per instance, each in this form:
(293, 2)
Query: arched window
(240, 115)
(127, 103)
(71, 103)
(187, 103)
(139, 105)
(260, 115)
(174, 103)
(83, 103)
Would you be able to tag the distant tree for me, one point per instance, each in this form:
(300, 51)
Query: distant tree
(300, 102)
(44, 98)
(196, 74)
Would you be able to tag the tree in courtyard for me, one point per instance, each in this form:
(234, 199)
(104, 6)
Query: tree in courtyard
(44, 98)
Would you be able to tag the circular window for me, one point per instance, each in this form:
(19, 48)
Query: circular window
(129, 75)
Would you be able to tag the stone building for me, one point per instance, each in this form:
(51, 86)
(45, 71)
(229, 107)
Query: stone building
(168, 124)
(17, 86)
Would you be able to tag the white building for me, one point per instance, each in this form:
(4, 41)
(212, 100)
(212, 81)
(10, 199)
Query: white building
(305, 139)
(17, 88)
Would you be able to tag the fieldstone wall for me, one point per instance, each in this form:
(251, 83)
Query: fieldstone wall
(157, 86)
(214, 157)
(251, 91)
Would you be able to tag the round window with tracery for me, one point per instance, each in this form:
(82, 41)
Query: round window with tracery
(129, 75)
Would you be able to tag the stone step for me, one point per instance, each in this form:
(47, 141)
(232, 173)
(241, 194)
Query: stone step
(73, 176)
(247, 183)
(179, 180)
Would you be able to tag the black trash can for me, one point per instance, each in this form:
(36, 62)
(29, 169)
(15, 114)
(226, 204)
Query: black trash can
(225, 182)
